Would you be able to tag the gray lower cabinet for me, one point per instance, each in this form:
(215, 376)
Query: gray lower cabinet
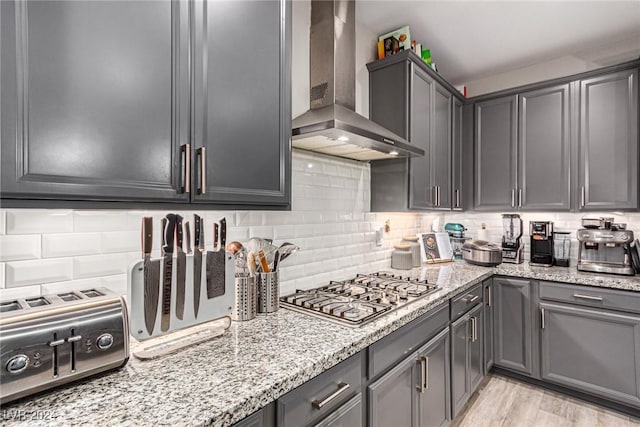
(265, 417)
(242, 103)
(487, 287)
(467, 365)
(592, 350)
(134, 101)
(416, 391)
(513, 334)
(608, 142)
(495, 153)
(348, 415)
(95, 99)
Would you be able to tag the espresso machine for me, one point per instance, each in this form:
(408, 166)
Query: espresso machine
(512, 244)
(541, 234)
(606, 249)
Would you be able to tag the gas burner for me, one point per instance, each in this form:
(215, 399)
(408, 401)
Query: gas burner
(361, 299)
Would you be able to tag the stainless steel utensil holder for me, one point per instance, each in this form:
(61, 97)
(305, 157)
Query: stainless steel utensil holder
(246, 304)
(268, 292)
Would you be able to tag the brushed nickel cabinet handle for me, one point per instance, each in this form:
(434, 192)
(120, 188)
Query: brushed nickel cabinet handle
(474, 328)
(470, 298)
(202, 161)
(438, 195)
(542, 317)
(457, 198)
(318, 404)
(513, 197)
(185, 151)
(519, 197)
(587, 297)
(424, 372)
(582, 196)
(489, 296)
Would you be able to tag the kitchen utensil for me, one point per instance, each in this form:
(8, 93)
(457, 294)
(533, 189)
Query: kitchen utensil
(151, 276)
(264, 265)
(414, 248)
(57, 338)
(251, 264)
(481, 252)
(268, 291)
(256, 244)
(286, 249)
(168, 236)
(401, 257)
(561, 248)
(198, 242)
(246, 303)
(181, 265)
(276, 260)
(234, 247)
(216, 275)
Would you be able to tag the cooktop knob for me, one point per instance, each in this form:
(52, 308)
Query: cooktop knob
(104, 341)
(17, 364)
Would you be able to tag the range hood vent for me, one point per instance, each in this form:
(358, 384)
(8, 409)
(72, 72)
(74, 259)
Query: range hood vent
(332, 126)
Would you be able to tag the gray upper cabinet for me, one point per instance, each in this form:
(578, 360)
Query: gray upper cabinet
(440, 153)
(242, 103)
(544, 152)
(422, 193)
(95, 99)
(608, 142)
(514, 340)
(457, 155)
(495, 157)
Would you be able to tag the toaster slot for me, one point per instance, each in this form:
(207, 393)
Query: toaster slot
(70, 296)
(37, 302)
(92, 293)
(9, 306)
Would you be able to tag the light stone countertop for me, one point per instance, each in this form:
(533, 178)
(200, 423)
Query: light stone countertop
(226, 379)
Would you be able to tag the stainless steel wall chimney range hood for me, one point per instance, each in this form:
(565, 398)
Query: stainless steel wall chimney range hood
(332, 126)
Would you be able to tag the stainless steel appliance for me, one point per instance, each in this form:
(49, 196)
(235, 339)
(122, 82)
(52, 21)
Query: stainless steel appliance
(54, 339)
(605, 251)
(481, 252)
(456, 235)
(541, 235)
(561, 248)
(512, 244)
(359, 300)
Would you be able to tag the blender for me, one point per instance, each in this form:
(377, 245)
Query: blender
(512, 246)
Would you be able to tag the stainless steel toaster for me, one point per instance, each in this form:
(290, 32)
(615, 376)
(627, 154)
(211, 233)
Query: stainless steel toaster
(54, 339)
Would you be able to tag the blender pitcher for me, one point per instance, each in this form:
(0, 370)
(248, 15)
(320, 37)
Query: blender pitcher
(561, 248)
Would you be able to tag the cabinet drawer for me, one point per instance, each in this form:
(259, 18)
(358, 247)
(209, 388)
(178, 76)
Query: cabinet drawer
(395, 346)
(322, 395)
(466, 301)
(348, 415)
(591, 296)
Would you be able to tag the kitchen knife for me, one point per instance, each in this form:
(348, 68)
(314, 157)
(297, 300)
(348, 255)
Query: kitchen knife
(198, 243)
(216, 261)
(182, 268)
(168, 235)
(151, 276)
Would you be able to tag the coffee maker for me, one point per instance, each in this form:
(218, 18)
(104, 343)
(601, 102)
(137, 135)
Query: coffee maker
(512, 245)
(606, 249)
(541, 233)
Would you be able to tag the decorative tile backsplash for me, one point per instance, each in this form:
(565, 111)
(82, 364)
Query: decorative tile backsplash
(44, 251)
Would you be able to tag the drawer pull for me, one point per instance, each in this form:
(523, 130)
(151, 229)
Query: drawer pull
(424, 374)
(318, 404)
(470, 298)
(588, 297)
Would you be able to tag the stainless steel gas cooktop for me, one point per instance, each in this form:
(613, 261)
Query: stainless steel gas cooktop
(360, 300)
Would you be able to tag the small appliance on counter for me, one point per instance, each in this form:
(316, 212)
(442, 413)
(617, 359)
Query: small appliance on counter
(512, 244)
(481, 252)
(54, 339)
(606, 251)
(456, 236)
(541, 235)
(561, 248)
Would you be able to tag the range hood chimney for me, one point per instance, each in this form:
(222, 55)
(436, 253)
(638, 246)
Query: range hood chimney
(332, 126)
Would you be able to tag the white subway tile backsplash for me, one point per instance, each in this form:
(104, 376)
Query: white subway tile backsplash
(70, 244)
(70, 285)
(2, 268)
(124, 241)
(102, 221)
(3, 216)
(99, 265)
(36, 272)
(115, 283)
(26, 221)
(20, 247)
(22, 292)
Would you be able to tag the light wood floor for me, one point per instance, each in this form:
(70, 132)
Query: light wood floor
(507, 402)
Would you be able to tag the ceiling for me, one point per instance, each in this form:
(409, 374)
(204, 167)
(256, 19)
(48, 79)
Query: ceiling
(470, 40)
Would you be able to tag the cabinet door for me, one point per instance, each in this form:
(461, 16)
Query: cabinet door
(544, 149)
(476, 343)
(513, 334)
(421, 191)
(95, 99)
(391, 400)
(488, 326)
(441, 147)
(495, 161)
(456, 155)
(608, 142)
(242, 102)
(460, 386)
(348, 415)
(433, 379)
(592, 350)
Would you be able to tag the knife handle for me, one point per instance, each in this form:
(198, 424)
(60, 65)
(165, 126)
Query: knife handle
(187, 236)
(168, 233)
(215, 236)
(223, 233)
(263, 262)
(147, 235)
(179, 232)
(197, 229)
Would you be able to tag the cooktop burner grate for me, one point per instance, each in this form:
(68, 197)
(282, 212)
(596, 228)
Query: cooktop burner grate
(358, 300)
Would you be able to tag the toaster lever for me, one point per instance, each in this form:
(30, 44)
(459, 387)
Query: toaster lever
(56, 343)
(74, 338)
